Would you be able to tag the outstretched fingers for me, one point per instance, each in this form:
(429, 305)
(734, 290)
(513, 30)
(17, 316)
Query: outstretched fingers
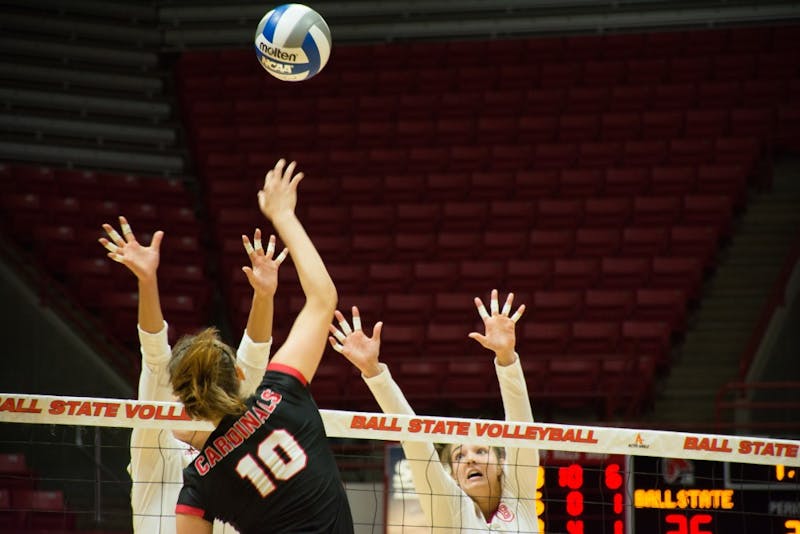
(339, 336)
(247, 246)
(113, 243)
(356, 319)
(113, 235)
(508, 303)
(343, 324)
(481, 308)
(337, 346)
(287, 175)
(376, 331)
(127, 233)
(518, 313)
(270, 245)
(257, 248)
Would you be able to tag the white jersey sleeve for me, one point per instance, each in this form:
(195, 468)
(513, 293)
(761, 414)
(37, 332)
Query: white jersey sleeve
(253, 358)
(157, 458)
(441, 499)
(522, 464)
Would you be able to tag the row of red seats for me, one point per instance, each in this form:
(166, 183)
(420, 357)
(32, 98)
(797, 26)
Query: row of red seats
(522, 157)
(35, 511)
(543, 305)
(501, 224)
(527, 75)
(673, 44)
(465, 142)
(23, 507)
(410, 194)
(57, 215)
(700, 241)
(663, 286)
(508, 102)
(186, 311)
(614, 383)
(50, 223)
(105, 189)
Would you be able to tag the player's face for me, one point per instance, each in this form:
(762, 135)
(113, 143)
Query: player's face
(476, 469)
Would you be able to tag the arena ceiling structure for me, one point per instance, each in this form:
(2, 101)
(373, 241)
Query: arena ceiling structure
(188, 24)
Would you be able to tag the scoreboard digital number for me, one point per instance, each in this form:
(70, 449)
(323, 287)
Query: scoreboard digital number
(583, 493)
(705, 497)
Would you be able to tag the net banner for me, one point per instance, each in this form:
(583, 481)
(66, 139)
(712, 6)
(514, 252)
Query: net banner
(49, 409)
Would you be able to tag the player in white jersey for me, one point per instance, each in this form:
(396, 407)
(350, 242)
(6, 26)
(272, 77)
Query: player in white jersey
(157, 457)
(467, 488)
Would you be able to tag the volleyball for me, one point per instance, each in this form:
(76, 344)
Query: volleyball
(293, 42)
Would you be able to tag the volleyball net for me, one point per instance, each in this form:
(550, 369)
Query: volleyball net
(591, 479)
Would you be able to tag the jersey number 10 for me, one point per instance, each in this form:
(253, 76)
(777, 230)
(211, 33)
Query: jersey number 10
(281, 456)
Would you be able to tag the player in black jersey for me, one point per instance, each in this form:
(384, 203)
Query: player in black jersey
(267, 466)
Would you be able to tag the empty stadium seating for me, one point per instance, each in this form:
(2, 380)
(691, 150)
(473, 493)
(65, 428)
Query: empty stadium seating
(24, 507)
(596, 178)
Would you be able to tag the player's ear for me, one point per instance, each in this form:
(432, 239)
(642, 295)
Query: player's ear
(239, 374)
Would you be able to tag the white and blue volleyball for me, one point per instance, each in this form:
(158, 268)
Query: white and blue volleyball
(293, 42)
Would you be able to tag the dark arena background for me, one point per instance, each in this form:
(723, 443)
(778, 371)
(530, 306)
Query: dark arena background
(629, 169)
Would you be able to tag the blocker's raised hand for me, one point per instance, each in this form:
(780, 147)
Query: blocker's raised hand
(263, 270)
(125, 249)
(500, 335)
(353, 343)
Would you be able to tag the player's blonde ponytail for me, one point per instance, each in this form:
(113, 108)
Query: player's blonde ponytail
(204, 377)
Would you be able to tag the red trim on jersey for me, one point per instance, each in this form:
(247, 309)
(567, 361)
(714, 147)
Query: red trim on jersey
(189, 510)
(287, 370)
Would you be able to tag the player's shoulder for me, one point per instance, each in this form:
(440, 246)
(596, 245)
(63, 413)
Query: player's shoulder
(283, 379)
(286, 373)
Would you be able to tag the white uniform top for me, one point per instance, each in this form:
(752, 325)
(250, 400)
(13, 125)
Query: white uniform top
(446, 506)
(157, 458)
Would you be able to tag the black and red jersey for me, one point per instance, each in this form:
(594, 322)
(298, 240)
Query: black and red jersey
(269, 469)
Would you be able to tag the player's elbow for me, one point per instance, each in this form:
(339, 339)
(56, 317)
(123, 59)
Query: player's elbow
(323, 298)
(330, 297)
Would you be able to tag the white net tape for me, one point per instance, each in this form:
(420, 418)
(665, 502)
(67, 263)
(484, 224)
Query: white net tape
(84, 411)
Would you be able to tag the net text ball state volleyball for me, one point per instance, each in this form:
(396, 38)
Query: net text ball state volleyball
(293, 42)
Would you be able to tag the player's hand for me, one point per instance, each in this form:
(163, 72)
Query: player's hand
(279, 194)
(263, 270)
(500, 335)
(353, 343)
(125, 249)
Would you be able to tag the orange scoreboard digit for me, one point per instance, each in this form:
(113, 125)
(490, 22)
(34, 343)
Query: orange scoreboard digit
(584, 493)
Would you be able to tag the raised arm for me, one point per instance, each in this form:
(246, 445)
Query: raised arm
(440, 497)
(262, 274)
(305, 343)
(263, 278)
(143, 263)
(500, 337)
(155, 455)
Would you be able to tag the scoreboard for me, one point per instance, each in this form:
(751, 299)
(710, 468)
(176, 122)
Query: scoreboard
(708, 497)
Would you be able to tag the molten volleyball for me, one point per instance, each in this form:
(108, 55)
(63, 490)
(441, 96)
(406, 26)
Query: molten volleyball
(293, 42)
